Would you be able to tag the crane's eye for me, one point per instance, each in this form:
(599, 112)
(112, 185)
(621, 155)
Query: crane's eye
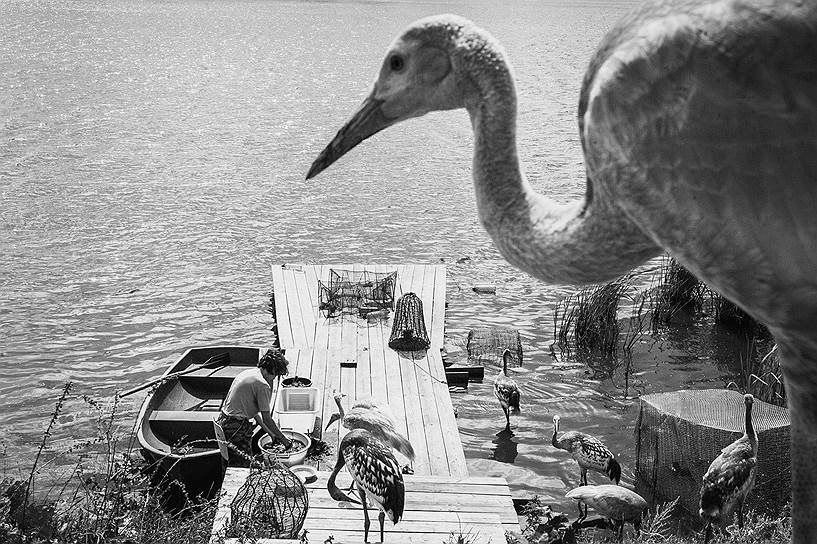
(396, 63)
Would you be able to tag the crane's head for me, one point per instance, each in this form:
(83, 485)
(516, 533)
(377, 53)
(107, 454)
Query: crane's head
(419, 74)
(748, 400)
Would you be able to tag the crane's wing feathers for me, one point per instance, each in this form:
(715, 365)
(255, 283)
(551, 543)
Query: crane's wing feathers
(374, 468)
(731, 473)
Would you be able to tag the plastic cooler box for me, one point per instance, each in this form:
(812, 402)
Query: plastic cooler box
(296, 408)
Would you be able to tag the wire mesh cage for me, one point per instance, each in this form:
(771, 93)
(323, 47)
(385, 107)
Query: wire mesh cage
(272, 503)
(349, 292)
(486, 345)
(680, 433)
(408, 332)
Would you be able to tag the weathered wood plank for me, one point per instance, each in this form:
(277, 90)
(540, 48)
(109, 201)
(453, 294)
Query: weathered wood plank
(445, 410)
(438, 308)
(308, 311)
(431, 421)
(282, 323)
(414, 414)
(299, 335)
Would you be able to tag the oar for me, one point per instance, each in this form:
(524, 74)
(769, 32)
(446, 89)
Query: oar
(216, 361)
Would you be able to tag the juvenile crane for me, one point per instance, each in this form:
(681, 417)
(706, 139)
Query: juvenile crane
(506, 390)
(611, 501)
(375, 472)
(730, 477)
(367, 414)
(588, 451)
(698, 123)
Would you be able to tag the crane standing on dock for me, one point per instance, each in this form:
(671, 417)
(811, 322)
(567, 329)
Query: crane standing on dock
(376, 473)
(371, 416)
(730, 477)
(506, 390)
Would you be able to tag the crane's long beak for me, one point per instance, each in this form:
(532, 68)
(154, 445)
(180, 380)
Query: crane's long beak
(333, 418)
(367, 120)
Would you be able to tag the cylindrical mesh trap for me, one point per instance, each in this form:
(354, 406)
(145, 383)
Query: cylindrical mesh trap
(408, 332)
(272, 503)
(486, 345)
(680, 433)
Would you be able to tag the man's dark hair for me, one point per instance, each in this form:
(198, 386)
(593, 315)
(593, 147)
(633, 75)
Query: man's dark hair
(274, 362)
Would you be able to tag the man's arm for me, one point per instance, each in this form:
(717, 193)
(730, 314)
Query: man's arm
(267, 423)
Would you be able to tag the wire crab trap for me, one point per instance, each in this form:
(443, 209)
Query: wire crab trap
(272, 503)
(356, 292)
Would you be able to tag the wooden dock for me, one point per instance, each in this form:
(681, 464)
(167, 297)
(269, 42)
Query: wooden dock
(350, 354)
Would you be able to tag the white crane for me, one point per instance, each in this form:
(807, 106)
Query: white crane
(698, 124)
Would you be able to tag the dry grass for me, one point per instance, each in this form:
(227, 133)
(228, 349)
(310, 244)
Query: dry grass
(105, 497)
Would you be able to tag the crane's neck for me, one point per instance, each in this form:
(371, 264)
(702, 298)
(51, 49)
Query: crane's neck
(331, 486)
(585, 241)
(338, 401)
(750, 428)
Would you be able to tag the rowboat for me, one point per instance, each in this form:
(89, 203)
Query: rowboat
(175, 423)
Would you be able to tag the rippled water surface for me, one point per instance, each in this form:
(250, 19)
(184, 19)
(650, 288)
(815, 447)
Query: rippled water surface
(152, 161)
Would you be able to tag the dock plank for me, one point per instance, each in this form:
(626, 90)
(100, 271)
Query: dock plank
(282, 322)
(480, 507)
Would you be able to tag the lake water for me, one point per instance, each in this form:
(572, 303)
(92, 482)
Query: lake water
(152, 162)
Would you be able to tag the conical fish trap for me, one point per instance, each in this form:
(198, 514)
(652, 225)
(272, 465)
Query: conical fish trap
(272, 503)
(408, 332)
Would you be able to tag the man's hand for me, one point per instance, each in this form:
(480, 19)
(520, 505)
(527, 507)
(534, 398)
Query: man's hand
(285, 441)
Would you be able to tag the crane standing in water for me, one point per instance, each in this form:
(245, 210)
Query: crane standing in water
(506, 390)
(698, 123)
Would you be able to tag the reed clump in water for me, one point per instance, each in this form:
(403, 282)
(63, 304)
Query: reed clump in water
(103, 495)
(676, 292)
(587, 322)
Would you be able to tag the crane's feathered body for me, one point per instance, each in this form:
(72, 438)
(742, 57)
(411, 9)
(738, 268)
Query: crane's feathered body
(588, 451)
(698, 122)
(612, 501)
(375, 418)
(376, 474)
(730, 477)
(506, 390)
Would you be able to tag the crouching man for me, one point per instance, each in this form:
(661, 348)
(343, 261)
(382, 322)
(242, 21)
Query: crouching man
(249, 399)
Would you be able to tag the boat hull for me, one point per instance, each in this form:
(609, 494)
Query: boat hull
(175, 423)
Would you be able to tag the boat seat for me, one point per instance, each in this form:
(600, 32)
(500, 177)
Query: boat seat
(184, 415)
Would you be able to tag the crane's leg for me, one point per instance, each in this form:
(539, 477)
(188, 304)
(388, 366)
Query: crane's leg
(619, 524)
(366, 521)
(708, 532)
(381, 517)
(583, 482)
(740, 513)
